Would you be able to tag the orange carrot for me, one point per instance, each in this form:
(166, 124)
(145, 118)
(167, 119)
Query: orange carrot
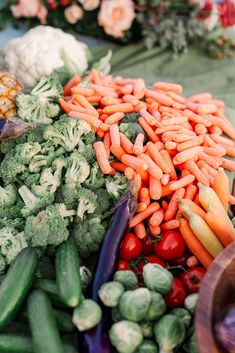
(165, 179)
(221, 225)
(155, 188)
(122, 107)
(163, 129)
(138, 145)
(153, 168)
(78, 98)
(149, 131)
(197, 98)
(210, 170)
(140, 230)
(194, 170)
(129, 173)
(159, 97)
(215, 130)
(102, 157)
(114, 118)
(217, 151)
(107, 100)
(193, 207)
(117, 151)
(134, 162)
(157, 218)
(190, 192)
(196, 118)
(153, 207)
(139, 88)
(150, 119)
(176, 97)
(186, 180)
(221, 187)
(137, 184)
(206, 109)
(154, 231)
(220, 139)
(127, 89)
(144, 195)
(114, 135)
(91, 120)
(118, 166)
(213, 161)
(167, 86)
(186, 155)
(174, 205)
(197, 141)
(95, 77)
(170, 145)
(100, 133)
(174, 121)
(126, 143)
(94, 99)
(169, 164)
(164, 205)
(158, 158)
(231, 199)
(173, 224)
(194, 245)
(71, 83)
(129, 98)
(200, 129)
(107, 143)
(68, 107)
(141, 206)
(84, 91)
(227, 164)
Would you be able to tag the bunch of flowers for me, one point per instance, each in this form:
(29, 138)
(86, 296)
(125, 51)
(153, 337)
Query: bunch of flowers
(169, 23)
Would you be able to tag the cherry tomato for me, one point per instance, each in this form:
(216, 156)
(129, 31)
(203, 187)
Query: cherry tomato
(131, 247)
(192, 278)
(153, 259)
(177, 294)
(171, 246)
(147, 246)
(123, 265)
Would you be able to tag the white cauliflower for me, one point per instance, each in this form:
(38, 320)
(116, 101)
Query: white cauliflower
(40, 51)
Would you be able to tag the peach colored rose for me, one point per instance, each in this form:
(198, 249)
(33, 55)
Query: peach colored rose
(90, 5)
(116, 16)
(73, 13)
(32, 8)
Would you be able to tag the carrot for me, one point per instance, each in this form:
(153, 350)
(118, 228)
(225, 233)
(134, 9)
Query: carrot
(154, 231)
(153, 207)
(78, 98)
(68, 107)
(170, 145)
(165, 155)
(200, 129)
(159, 97)
(91, 120)
(193, 207)
(186, 180)
(157, 218)
(231, 199)
(95, 77)
(107, 143)
(206, 109)
(199, 97)
(139, 88)
(194, 170)
(173, 205)
(195, 118)
(166, 191)
(167, 86)
(144, 195)
(107, 100)
(230, 151)
(173, 224)
(221, 225)
(153, 168)
(182, 137)
(174, 121)
(194, 245)
(140, 230)
(114, 118)
(84, 91)
(102, 157)
(134, 162)
(202, 164)
(104, 127)
(141, 206)
(137, 184)
(227, 164)
(165, 179)
(190, 192)
(184, 172)
(129, 98)
(114, 135)
(157, 157)
(118, 152)
(221, 187)
(94, 99)
(138, 145)
(150, 119)
(129, 173)
(215, 130)
(100, 133)
(71, 83)
(176, 97)
(216, 151)
(186, 155)
(149, 131)
(197, 141)
(155, 188)
(164, 205)
(178, 106)
(126, 143)
(127, 89)
(118, 166)
(122, 107)
(163, 129)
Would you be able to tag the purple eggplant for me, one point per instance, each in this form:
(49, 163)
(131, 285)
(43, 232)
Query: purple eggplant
(96, 340)
(12, 128)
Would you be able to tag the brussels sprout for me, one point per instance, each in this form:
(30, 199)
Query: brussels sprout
(86, 277)
(134, 305)
(183, 314)
(116, 315)
(169, 332)
(87, 315)
(147, 346)
(157, 278)
(193, 344)
(147, 328)
(190, 302)
(110, 293)
(127, 278)
(125, 336)
(156, 308)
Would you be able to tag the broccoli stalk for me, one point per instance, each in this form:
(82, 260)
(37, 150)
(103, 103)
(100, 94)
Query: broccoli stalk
(87, 203)
(33, 204)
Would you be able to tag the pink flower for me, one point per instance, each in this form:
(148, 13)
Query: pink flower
(116, 16)
(32, 8)
(90, 5)
(73, 13)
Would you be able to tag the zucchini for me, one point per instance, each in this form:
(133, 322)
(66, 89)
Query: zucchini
(16, 284)
(64, 321)
(50, 287)
(15, 343)
(68, 274)
(46, 338)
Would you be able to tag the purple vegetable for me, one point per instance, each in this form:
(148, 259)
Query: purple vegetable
(13, 128)
(225, 329)
(96, 340)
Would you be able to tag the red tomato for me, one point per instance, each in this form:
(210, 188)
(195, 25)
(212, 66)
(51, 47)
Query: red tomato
(153, 259)
(131, 247)
(123, 265)
(177, 294)
(171, 246)
(192, 278)
(147, 246)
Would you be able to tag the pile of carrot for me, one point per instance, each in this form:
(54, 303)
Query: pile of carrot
(186, 146)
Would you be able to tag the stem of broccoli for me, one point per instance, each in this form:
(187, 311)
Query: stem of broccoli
(66, 213)
(27, 196)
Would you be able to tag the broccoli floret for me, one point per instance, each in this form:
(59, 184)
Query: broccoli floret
(78, 169)
(96, 178)
(17, 223)
(103, 201)
(33, 204)
(45, 159)
(116, 185)
(89, 138)
(130, 126)
(3, 264)
(131, 118)
(8, 146)
(29, 179)
(66, 132)
(42, 103)
(50, 179)
(87, 203)
(27, 151)
(8, 195)
(67, 194)
(88, 236)
(12, 211)
(10, 167)
(11, 243)
(88, 152)
(49, 227)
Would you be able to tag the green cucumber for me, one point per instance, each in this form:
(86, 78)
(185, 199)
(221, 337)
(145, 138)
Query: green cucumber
(15, 343)
(45, 333)
(68, 274)
(64, 321)
(51, 288)
(16, 284)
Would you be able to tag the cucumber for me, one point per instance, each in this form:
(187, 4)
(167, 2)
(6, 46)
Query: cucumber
(16, 284)
(15, 343)
(45, 333)
(64, 321)
(68, 274)
(50, 287)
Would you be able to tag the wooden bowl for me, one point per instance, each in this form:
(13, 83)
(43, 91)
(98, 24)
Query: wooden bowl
(217, 291)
